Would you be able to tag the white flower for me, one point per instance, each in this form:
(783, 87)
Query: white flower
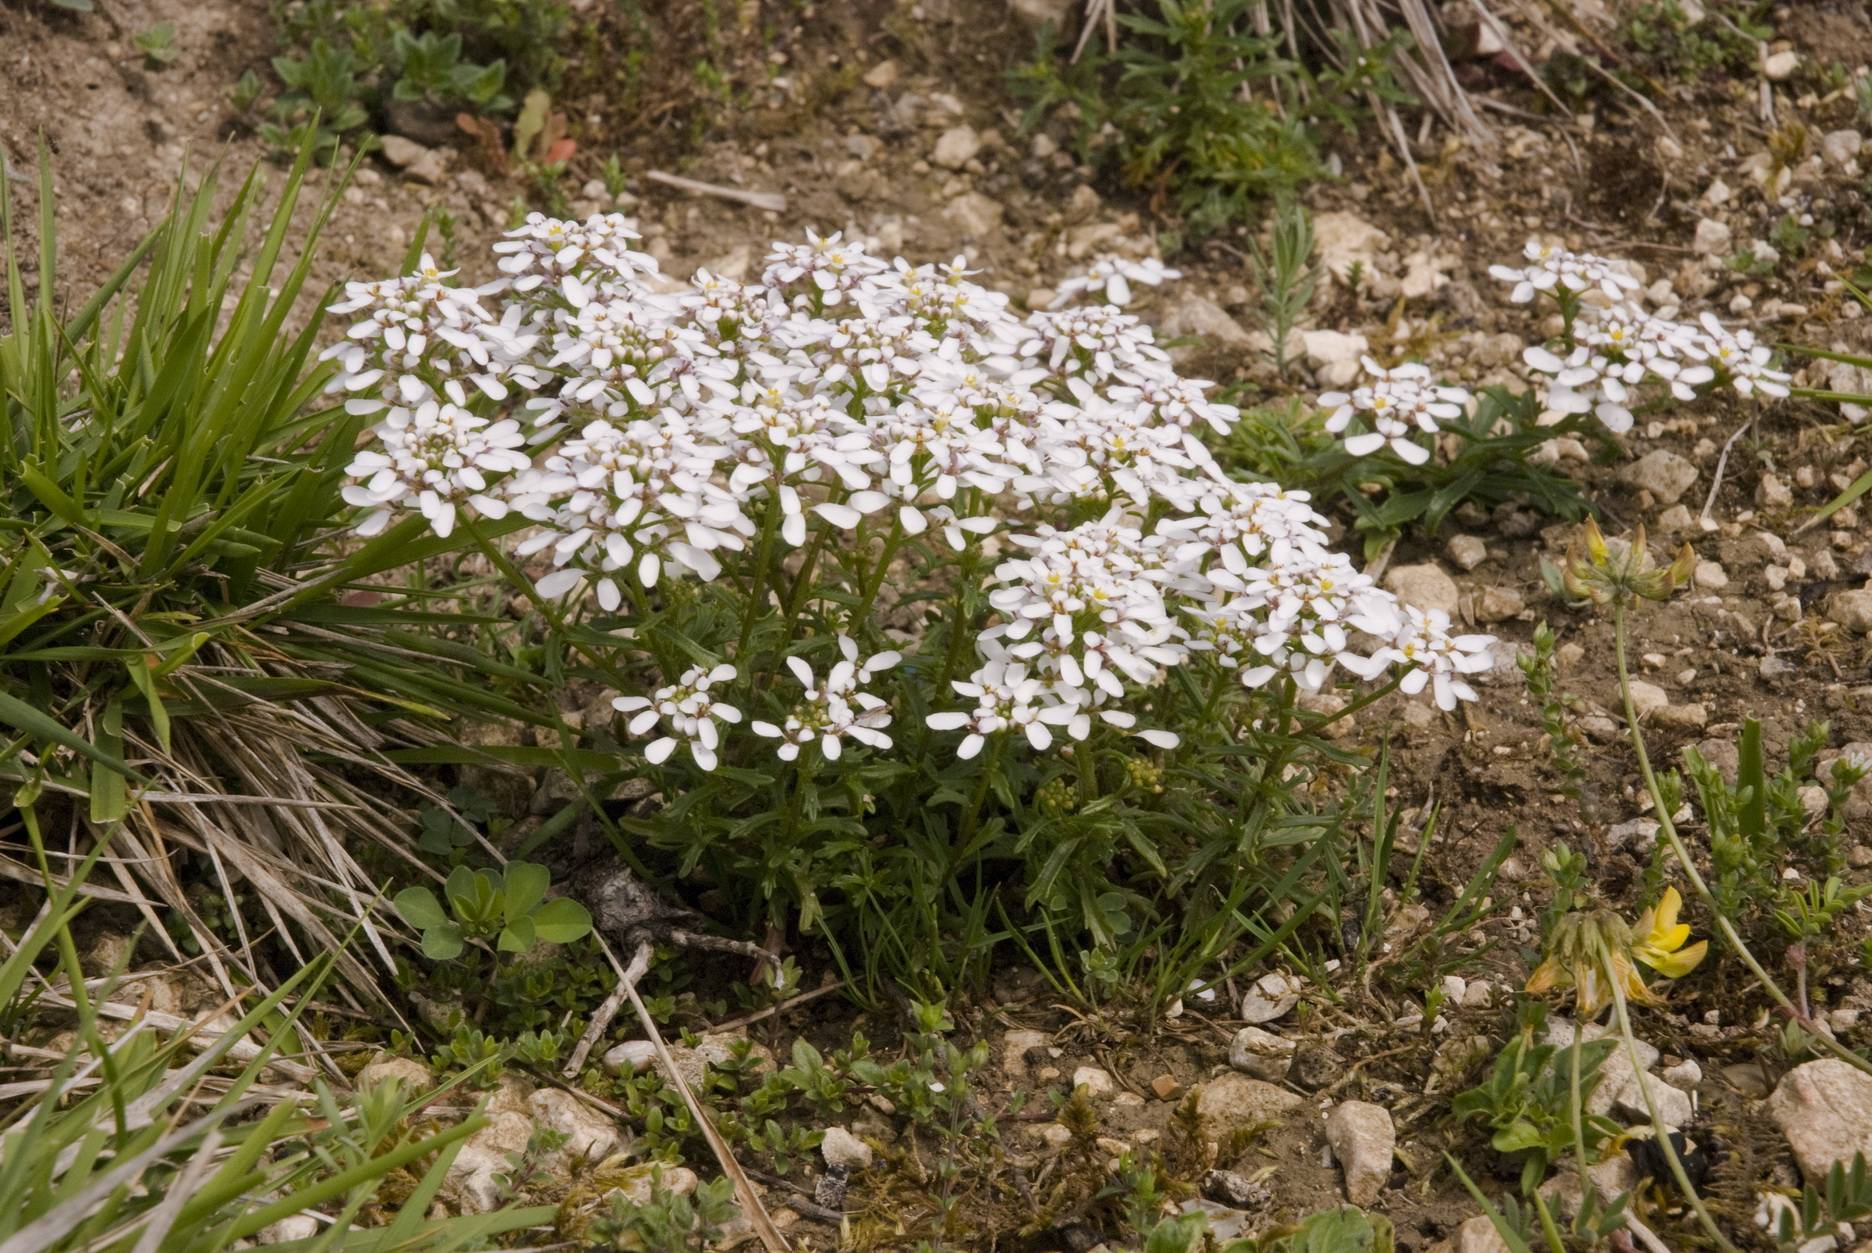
(1551, 268)
(1006, 699)
(1586, 381)
(1746, 362)
(1398, 403)
(690, 712)
(1433, 657)
(436, 458)
(1112, 275)
(836, 710)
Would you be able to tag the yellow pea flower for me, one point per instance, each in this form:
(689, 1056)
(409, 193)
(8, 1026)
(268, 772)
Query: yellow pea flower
(1594, 950)
(1660, 944)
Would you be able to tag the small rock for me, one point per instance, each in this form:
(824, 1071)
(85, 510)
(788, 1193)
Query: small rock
(409, 1074)
(1712, 237)
(1261, 1053)
(1648, 698)
(1498, 604)
(1641, 833)
(1015, 1046)
(1685, 717)
(975, 215)
(1315, 1066)
(1054, 13)
(1663, 473)
(1271, 997)
(425, 165)
(473, 1175)
(1166, 1087)
(1363, 1141)
(1772, 493)
(288, 1229)
(1780, 66)
(1097, 1083)
(1478, 1235)
(1747, 1078)
(1851, 609)
(714, 1049)
(956, 147)
(1334, 355)
(1685, 1074)
(845, 1151)
(1840, 147)
(1466, 551)
(1710, 576)
(1824, 1108)
(589, 1135)
(630, 1057)
(1204, 319)
(638, 1184)
(1225, 1187)
(1345, 240)
(1423, 585)
(1231, 1103)
(883, 76)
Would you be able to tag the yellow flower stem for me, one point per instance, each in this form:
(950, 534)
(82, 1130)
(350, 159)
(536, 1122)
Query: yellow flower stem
(1658, 1129)
(1669, 830)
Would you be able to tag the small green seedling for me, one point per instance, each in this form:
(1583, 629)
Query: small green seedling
(508, 906)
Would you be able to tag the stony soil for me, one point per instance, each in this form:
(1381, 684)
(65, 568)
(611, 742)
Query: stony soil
(889, 122)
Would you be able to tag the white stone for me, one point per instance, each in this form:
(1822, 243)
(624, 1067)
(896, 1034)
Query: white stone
(630, 1057)
(411, 1076)
(841, 1148)
(1466, 551)
(1259, 1052)
(1781, 66)
(1344, 240)
(1824, 1108)
(1712, 237)
(425, 165)
(289, 1229)
(1363, 1142)
(1232, 1103)
(589, 1135)
(1663, 473)
(974, 214)
(472, 1176)
(1204, 319)
(956, 147)
(1272, 996)
(1425, 586)
(1840, 147)
(1097, 1083)
(1334, 355)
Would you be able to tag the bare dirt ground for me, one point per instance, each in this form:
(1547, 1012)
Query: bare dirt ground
(844, 122)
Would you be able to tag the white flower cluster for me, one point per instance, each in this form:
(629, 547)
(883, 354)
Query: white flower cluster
(1111, 276)
(1397, 404)
(649, 429)
(1617, 344)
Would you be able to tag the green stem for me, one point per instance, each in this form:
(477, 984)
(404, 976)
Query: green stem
(763, 555)
(1668, 829)
(875, 581)
(973, 817)
(1661, 1135)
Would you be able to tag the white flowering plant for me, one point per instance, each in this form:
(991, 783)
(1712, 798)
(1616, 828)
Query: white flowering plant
(915, 612)
(1401, 447)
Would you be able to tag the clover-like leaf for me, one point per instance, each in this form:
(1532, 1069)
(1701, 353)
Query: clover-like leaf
(443, 943)
(420, 908)
(525, 888)
(517, 936)
(561, 921)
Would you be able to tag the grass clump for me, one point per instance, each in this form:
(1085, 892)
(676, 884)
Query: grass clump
(1201, 111)
(184, 666)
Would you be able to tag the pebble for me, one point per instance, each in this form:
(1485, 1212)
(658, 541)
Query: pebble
(589, 1135)
(1466, 551)
(1772, 493)
(1334, 355)
(1478, 1235)
(1363, 1141)
(1015, 1046)
(956, 147)
(1166, 1087)
(883, 76)
(1259, 1052)
(425, 165)
(1201, 318)
(843, 1150)
(1272, 996)
(1498, 604)
(1231, 1103)
(1424, 585)
(1824, 1108)
(1663, 473)
(1228, 1188)
(974, 214)
(632, 1056)
(1840, 147)
(1712, 237)
(1851, 609)
(410, 1075)
(1097, 1083)
(1780, 66)
(1710, 576)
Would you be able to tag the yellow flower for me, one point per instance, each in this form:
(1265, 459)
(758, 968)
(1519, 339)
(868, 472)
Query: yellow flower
(1661, 939)
(1593, 951)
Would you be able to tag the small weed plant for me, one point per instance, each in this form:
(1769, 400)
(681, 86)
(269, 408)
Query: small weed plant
(1202, 109)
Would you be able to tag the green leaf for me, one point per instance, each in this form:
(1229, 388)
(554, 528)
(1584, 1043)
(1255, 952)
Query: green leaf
(531, 122)
(420, 908)
(526, 887)
(443, 943)
(517, 936)
(561, 921)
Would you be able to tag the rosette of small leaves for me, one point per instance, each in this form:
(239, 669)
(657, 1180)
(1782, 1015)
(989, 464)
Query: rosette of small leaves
(508, 907)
